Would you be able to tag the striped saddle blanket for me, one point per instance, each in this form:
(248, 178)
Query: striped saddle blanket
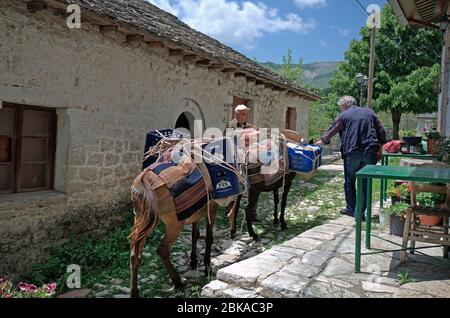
(179, 187)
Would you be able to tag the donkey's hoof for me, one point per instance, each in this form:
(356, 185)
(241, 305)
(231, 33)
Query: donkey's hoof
(256, 237)
(180, 286)
(232, 235)
(283, 227)
(276, 222)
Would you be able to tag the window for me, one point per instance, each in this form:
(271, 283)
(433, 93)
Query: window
(291, 119)
(27, 148)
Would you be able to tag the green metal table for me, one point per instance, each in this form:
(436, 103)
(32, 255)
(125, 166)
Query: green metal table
(385, 162)
(434, 175)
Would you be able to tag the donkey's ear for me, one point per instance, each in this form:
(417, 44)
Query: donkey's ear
(311, 142)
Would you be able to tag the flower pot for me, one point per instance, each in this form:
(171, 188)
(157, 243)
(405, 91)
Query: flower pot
(433, 146)
(412, 141)
(430, 220)
(397, 225)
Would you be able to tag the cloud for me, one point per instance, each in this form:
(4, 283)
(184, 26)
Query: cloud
(165, 5)
(234, 23)
(342, 31)
(310, 3)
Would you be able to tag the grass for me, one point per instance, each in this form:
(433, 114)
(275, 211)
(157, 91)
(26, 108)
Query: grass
(404, 278)
(105, 258)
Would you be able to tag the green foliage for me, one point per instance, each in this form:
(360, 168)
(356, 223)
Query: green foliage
(318, 123)
(430, 199)
(444, 151)
(408, 133)
(433, 134)
(404, 278)
(399, 209)
(92, 253)
(402, 86)
(292, 71)
(401, 191)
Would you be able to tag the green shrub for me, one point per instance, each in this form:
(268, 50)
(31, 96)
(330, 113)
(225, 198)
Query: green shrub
(408, 133)
(401, 191)
(399, 209)
(433, 134)
(430, 199)
(444, 151)
(98, 257)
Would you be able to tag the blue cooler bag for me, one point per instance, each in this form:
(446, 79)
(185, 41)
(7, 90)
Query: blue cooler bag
(225, 183)
(304, 158)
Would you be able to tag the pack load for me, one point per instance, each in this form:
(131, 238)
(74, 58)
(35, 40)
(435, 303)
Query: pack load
(220, 170)
(220, 160)
(304, 159)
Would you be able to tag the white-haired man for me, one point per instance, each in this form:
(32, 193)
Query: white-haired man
(362, 134)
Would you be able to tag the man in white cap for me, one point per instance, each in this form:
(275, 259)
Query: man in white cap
(240, 121)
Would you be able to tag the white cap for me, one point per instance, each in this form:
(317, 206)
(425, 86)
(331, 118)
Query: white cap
(241, 108)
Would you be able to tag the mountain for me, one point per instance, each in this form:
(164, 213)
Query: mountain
(316, 74)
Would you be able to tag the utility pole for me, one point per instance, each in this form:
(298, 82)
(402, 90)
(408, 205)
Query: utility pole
(371, 63)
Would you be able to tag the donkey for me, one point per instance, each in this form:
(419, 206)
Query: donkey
(147, 217)
(254, 192)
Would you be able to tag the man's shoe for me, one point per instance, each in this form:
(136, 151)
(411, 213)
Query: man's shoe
(347, 212)
(351, 214)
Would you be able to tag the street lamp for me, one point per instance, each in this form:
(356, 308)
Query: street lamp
(362, 81)
(443, 23)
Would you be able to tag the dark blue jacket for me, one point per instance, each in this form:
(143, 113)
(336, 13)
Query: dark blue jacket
(359, 129)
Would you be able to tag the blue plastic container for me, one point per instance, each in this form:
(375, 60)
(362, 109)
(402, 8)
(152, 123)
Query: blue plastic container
(304, 158)
(225, 183)
(152, 139)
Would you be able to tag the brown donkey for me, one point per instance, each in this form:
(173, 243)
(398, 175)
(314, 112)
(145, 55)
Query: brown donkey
(254, 192)
(147, 217)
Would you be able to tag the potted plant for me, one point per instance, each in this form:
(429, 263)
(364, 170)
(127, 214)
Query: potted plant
(410, 138)
(432, 200)
(434, 138)
(400, 193)
(397, 218)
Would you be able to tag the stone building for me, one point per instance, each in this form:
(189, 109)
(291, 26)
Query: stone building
(76, 104)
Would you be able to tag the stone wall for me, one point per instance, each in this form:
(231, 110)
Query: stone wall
(108, 94)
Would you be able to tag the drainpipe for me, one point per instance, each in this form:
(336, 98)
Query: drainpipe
(444, 113)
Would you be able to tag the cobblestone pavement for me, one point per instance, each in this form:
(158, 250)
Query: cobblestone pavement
(320, 263)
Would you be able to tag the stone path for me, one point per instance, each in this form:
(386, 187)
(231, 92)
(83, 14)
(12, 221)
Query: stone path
(319, 263)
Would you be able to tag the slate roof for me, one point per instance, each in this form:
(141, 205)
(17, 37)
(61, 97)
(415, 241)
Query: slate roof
(145, 17)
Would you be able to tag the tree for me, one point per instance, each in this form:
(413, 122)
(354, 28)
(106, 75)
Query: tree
(292, 71)
(406, 68)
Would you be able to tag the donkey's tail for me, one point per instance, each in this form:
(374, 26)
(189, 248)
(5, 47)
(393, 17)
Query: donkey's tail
(145, 206)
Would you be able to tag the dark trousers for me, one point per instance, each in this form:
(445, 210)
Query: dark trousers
(353, 162)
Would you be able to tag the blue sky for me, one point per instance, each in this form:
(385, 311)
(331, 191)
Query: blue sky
(315, 30)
